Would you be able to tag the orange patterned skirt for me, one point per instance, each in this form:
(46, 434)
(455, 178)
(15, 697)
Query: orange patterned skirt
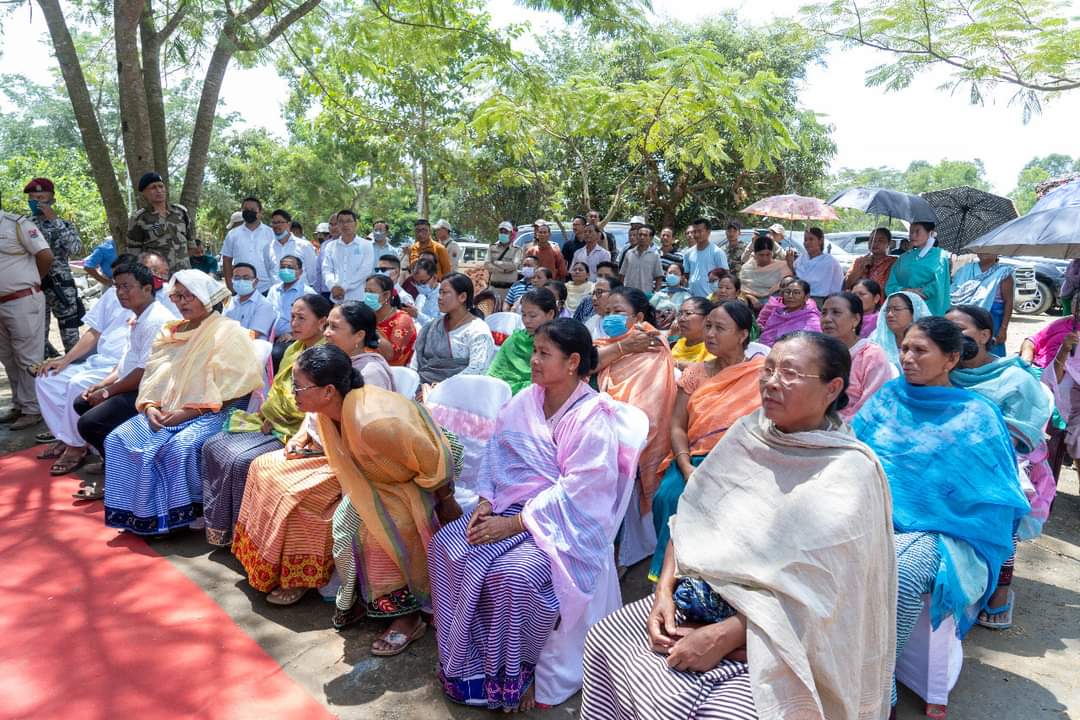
(283, 535)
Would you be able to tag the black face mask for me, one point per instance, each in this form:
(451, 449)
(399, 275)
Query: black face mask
(250, 216)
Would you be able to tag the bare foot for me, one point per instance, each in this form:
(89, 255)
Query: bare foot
(528, 700)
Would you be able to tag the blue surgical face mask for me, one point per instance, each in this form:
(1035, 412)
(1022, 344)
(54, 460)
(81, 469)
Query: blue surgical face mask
(372, 301)
(504, 238)
(614, 325)
(282, 235)
(243, 287)
(35, 208)
(527, 272)
(672, 280)
(287, 275)
(714, 285)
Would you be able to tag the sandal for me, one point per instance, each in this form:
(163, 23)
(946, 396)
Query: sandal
(345, 618)
(44, 437)
(90, 491)
(63, 467)
(1006, 610)
(55, 450)
(285, 596)
(937, 712)
(398, 641)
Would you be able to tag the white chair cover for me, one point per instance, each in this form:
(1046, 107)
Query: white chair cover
(467, 405)
(406, 381)
(932, 659)
(262, 353)
(503, 324)
(560, 668)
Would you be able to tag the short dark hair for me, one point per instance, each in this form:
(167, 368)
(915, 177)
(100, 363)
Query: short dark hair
(251, 198)
(926, 225)
(346, 211)
(123, 259)
(607, 264)
(421, 221)
(733, 223)
(701, 221)
(834, 361)
(282, 214)
(297, 227)
(582, 218)
(137, 270)
(299, 262)
(650, 228)
(764, 243)
(425, 265)
(816, 232)
(572, 338)
(390, 258)
(380, 222)
(249, 266)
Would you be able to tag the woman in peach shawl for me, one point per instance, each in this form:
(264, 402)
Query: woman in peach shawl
(712, 396)
(645, 380)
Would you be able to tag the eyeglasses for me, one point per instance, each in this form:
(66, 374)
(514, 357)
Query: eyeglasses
(298, 390)
(178, 298)
(387, 269)
(688, 313)
(598, 292)
(788, 376)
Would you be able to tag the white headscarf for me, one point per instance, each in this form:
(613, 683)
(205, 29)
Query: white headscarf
(209, 291)
(930, 242)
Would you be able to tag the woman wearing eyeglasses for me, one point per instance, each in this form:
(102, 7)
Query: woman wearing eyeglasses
(200, 367)
(690, 347)
(784, 525)
(795, 314)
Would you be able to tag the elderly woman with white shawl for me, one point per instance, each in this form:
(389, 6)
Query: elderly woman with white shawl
(199, 367)
(777, 595)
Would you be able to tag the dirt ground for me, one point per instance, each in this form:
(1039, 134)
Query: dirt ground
(1028, 672)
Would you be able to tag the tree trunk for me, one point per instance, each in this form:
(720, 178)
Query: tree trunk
(97, 150)
(134, 118)
(155, 97)
(204, 124)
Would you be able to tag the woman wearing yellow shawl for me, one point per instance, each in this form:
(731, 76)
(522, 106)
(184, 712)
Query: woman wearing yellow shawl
(513, 361)
(395, 465)
(690, 347)
(227, 456)
(200, 367)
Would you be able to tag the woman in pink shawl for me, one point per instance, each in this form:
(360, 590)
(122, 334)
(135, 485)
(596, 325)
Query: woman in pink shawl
(553, 485)
(796, 314)
(841, 317)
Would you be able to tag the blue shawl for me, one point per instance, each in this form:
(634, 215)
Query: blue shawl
(1024, 401)
(952, 471)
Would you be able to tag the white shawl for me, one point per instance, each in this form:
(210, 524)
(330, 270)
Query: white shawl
(795, 532)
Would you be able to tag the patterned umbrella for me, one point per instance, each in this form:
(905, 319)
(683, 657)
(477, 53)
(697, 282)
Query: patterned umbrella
(965, 214)
(792, 207)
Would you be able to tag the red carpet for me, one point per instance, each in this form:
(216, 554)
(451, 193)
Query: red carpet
(95, 624)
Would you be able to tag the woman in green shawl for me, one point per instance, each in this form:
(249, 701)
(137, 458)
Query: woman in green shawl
(513, 363)
(923, 270)
(227, 456)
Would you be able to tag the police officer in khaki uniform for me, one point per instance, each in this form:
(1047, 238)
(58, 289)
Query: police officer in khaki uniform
(61, 296)
(162, 227)
(25, 259)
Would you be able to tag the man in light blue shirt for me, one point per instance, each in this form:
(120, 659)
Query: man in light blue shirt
(248, 307)
(282, 295)
(702, 259)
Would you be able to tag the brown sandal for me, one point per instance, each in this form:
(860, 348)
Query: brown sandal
(63, 467)
(91, 491)
(55, 450)
(398, 641)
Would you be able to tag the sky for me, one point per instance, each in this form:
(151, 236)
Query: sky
(871, 127)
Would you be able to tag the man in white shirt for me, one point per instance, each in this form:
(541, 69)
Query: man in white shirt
(347, 261)
(247, 243)
(821, 270)
(442, 235)
(592, 253)
(285, 243)
(249, 307)
(111, 401)
(380, 243)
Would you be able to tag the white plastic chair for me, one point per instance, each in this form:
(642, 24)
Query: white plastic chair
(467, 406)
(262, 354)
(932, 659)
(503, 324)
(756, 348)
(560, 667)
(406, 381)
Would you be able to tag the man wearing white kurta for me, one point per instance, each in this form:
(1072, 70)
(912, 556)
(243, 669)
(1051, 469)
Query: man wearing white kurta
(347, 261)
(285, 243)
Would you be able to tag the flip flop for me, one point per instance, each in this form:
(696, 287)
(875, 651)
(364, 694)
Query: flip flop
(937, 713)
(89, 492)
(44, 437)
(63, 468)
(1006, 610)
(55, 450)
(398, 641)
(285, 596)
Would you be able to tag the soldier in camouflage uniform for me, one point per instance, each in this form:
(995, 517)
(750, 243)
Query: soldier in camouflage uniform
(162, 227)
(61, 295)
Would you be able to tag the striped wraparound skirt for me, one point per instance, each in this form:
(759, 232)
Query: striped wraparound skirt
(917, 559)
(226, 458)
(625, 679)
(153, 480)
(495, 608)
(282, 536)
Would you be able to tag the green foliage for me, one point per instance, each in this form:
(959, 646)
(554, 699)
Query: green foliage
(1039, 170)
(1032, 46)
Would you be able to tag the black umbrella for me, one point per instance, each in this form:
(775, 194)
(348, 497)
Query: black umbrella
(1048, 233)
(965, 214)
(879, 201)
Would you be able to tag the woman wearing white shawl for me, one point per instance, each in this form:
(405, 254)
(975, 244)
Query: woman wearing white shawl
(786, 530)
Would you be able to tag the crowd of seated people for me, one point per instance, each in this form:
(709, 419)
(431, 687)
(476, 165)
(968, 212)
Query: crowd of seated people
(756, 441)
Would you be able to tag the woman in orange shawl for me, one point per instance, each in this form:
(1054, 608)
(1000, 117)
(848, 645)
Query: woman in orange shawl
(645, 380)
(712, 396)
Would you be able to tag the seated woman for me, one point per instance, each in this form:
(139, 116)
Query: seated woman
(901, 310)
(841, 316)
(513, 361)
(558, 289)
(952, 473)
(1026, 405)
(395, 466)
(283, 533)
(397, 331)
(872, 299)
(727, 584)
(200, 367)
(645, 380)
(712, 395)
(601, 291)
(533, 553)
(761, 276)
(673, 293)
(227, 456)
(690, 347)
(796, 314)
(579, 286)
(460, 341)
